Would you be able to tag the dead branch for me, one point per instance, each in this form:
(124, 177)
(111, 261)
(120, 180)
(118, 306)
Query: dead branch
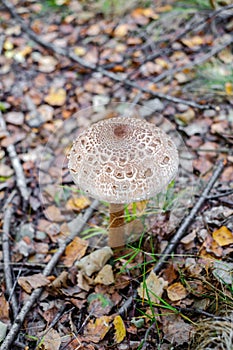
(199, 60)
(20, 178)
(81, 220)
(181, 230)
(94, 68)
(172, 244)
(7, 258)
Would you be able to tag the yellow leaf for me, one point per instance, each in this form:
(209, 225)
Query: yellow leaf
(75, 251)
(229, 88)
(96, 330)
(223, 236)
(56, 97)
(120, 331)
(121, 30)
(78, 204)
(80, 51)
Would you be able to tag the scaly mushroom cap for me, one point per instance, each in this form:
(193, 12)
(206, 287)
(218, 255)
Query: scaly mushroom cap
(122, 160)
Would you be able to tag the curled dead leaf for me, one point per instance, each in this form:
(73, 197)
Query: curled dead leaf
(176, 291)
(94, 261)
(29, 283)
(152, 288)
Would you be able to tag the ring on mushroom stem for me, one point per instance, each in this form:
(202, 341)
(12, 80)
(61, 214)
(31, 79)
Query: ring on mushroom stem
(95, 163)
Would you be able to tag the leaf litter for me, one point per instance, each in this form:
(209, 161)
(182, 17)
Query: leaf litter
(41, 93)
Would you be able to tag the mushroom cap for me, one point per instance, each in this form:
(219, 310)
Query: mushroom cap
(122, 160)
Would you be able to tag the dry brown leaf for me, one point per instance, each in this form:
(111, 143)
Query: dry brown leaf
(105, 276)
(29, 283)
(176, 291)
(176, 331)
(154, 286)
(4, 309)
(47, 64)
(121, 30)
(120, 331)
(53, 213)
(56, 97)
(75, 251)
(223, 236)
(96, 330)
(51, 341)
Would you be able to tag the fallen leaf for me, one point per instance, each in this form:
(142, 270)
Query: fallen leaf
(16, 118)
(229, 88)
(176, 331)
(105, 276)
(53, 213)
(121, 30)
(3, 330)
(223, 236)
(120, 331)
(4, 308)
(29, 283)
(194, 41)
(96, 330)
(176, 291)
(56, 97)
(5, 171)
(80, 50)
(94, 261)
(152, 288)
(75, 251)
(51, 341)
(223, 272)
(99, 304)
(77, 204)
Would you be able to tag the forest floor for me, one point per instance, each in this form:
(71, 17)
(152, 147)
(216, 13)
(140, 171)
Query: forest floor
(64, 65)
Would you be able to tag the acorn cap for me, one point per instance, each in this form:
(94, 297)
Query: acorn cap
(122, 160)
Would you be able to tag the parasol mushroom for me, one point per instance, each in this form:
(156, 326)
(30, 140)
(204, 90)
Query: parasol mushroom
(122, 160)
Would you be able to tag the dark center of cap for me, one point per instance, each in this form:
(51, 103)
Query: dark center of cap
(120, 131)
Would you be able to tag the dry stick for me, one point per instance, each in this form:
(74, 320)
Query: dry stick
(7, 259)
(92, 67)
(20, 178)
(80, 223)
(199, 60)
(172, 244)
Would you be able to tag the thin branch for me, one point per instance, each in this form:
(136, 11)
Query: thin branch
(170, 72)
(34, 297)
(172, 244)
(180, 232)
(7, 258)
(94, 68)
(20, 178)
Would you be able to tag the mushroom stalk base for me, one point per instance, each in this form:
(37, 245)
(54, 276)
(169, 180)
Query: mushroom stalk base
(116, 234)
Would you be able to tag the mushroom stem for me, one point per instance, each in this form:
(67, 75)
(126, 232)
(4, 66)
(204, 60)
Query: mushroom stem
(116, 234)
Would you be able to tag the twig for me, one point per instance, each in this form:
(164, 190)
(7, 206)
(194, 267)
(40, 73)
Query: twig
(80, 223)
(180, 232)
(95, 68)
(199, 312)
(7, 258)
(20, 178)
(197, 61)
(189, 218)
